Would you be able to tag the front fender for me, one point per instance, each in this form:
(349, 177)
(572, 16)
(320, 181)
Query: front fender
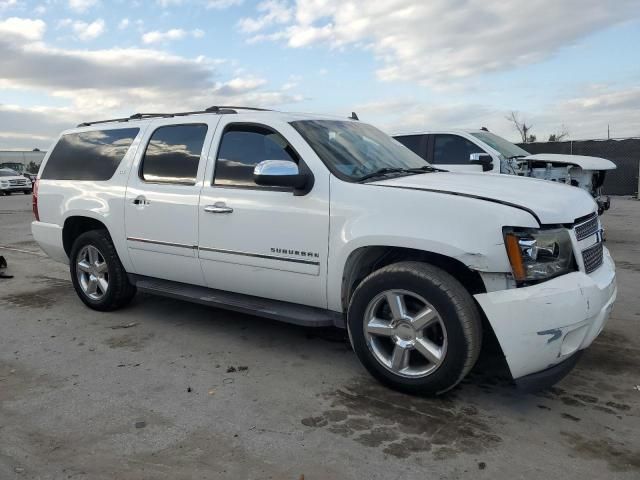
(462, 228)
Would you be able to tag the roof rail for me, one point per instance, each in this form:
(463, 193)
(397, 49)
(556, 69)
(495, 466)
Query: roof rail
(222, 109)
(215, 108)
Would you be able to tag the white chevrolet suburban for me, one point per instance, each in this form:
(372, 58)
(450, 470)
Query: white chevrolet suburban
(322, 221)
(481, 150)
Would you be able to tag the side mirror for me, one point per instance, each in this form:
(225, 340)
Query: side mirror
(483, 159)
(280, 173)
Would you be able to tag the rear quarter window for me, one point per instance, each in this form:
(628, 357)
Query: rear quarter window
(93, 155)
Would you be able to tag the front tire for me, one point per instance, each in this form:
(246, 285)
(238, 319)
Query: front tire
(415, 328)
(97, 274)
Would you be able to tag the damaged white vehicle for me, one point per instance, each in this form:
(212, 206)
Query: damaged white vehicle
(481, 150)
(322, 222)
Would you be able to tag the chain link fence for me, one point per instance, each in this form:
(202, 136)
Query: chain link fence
(625, 153)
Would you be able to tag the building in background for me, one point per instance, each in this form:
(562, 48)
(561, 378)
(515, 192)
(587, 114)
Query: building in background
(21, 161)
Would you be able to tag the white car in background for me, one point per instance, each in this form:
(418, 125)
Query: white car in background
(481, 150)
(11, 182)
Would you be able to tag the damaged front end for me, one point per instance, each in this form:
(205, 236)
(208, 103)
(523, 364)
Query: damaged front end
(586, 175)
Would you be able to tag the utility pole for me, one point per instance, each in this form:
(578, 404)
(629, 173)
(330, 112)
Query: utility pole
(608, 135)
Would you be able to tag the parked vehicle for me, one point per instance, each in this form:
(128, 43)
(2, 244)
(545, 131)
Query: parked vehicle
(481, 150)
(321, 221)
(11, 182)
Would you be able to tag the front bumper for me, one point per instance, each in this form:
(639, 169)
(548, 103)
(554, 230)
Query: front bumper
(543, 325)
(15, 188)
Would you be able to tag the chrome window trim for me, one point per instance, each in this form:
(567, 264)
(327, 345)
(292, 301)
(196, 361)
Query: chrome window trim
(259, 255)
(220, 250)
(159, 242)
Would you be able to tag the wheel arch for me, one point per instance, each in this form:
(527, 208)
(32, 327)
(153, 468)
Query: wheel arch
(76, 225)
(364, 260)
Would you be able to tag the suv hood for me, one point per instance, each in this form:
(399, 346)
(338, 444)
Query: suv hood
(550, 202)
(582, 161)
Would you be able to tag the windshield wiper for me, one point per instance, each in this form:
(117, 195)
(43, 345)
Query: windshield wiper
(381, 173)
(424, 169)
(387, 170)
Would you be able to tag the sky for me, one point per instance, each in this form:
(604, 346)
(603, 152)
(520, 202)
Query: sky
(402, 65)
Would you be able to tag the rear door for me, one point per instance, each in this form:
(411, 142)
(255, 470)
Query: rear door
(161, 210)
(453, 152)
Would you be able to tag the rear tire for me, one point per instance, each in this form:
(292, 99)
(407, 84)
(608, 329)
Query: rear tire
(97, 274)
(415, 328)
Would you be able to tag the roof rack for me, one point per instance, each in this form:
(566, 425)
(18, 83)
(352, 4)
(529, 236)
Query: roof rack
(221, 109)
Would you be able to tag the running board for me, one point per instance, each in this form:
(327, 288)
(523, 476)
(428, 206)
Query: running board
(262, 307)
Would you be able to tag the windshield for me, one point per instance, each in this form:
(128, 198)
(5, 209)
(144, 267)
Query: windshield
(8, 173)
(504, 147)
(353, 150)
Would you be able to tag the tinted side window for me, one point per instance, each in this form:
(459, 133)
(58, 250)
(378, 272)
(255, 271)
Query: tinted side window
(242, 148)
(412, 142)
(453, 150)
(91, 155)
(173, 154)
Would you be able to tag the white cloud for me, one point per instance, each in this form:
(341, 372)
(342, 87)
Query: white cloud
(82, 6)
(108, 83)
(123, 24)
(272, 12)
(5, 4)
(586, 115)
(438, 41)
(88, 31)
(21, 29)
(222, 4)
(168, 3)
(157, 36)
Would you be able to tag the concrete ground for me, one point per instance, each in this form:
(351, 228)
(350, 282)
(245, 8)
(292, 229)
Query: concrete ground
(169, 390)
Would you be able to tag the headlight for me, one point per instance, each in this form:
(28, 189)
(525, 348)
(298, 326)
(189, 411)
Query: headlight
(537, 255)
(4, 183)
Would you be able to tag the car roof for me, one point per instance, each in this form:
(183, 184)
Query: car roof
(239, 113)
(440, 130)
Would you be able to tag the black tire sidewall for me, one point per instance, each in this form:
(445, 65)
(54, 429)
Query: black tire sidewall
(449, 372)
(99, 239)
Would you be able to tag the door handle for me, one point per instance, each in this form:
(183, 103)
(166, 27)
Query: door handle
(141, 200)
(218, 207)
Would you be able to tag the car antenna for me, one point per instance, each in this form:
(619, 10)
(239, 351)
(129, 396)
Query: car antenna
(354, 116)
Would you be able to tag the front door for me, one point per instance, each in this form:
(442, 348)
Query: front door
(263, 241)
(161, 209)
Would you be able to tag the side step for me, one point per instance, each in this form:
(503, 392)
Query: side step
(262, 307)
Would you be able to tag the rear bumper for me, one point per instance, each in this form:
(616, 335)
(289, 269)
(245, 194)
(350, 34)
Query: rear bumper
(543, 325)
(49, 237)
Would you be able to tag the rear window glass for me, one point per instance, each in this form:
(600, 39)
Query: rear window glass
(91, 155)
(173, 154)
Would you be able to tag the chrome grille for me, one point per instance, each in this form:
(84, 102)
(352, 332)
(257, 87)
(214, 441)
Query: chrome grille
(18, 183)
(588, 228)
(592, 257)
